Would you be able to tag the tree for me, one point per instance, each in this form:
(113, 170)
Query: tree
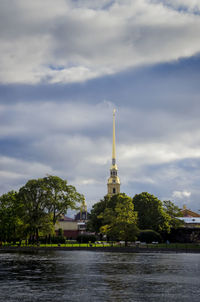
(96, 222)
(173, 211)
(11, 226)
(44, 201)
(33, 197)
(120, 222)
(151, 214)
(60, 196)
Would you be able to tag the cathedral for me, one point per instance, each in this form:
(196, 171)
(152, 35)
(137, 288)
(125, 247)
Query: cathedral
(113, 181)
(74, 227)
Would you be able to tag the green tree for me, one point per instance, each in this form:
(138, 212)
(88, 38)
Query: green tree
(120, 222)
(60, 197)
(151, 214)
(173, 211)
(96, 222)
(44, 201)
(33, 197)
(11, 226)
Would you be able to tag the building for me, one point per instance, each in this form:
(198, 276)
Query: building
(81, 218)
(190, 218)
(69, 227)
(83, 215)
(73, 227)
(188, 213)
(113, 183)
(190, 231)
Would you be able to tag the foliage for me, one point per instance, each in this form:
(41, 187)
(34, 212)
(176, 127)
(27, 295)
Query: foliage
(57, 239)
(120, 223)
(149, 236)
(60, 232)
(52, 240)
(151, 214)
(34, 210)
(173, 211)
(11, 227)
(60, 196)
(44, 201)
(96, 221)
(86, 238)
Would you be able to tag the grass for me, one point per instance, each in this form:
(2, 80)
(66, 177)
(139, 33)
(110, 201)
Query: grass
(175, 246)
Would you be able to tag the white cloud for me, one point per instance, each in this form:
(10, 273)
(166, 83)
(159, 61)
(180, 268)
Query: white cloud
(73, 41)
(181, 194)
(89, 181)
(156, 153)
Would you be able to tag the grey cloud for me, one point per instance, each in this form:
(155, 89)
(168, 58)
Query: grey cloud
(74, 142)
(66, 130)
(185, 6)
(89, 42)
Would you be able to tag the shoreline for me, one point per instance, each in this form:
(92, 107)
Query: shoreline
(101, 249)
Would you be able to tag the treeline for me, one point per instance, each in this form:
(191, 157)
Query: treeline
(143, 217)
(34, 210)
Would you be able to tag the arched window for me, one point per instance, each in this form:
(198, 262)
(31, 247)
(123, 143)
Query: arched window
(114, 190)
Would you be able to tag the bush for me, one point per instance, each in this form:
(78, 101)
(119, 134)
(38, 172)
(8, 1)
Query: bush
(53, 240)
(86, 238)
(60, 233)
(149, 236)
(57, 239)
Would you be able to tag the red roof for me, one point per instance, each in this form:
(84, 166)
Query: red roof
(189, 213)
(65, 218)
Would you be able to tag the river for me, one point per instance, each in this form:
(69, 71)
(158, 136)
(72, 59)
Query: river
(98, 276)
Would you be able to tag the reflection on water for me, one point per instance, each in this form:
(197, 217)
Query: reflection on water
(97, 276)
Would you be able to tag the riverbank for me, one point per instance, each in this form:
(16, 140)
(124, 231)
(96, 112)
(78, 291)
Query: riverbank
(101, 249)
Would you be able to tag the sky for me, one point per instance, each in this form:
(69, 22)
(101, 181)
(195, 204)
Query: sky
(66, 64)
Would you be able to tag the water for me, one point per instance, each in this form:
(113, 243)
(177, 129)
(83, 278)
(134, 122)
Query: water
(97, 276)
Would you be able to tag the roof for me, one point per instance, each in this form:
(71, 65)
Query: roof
(65, 218)
(190, 220)
(81, 215)
(81, 223)
(189, 213)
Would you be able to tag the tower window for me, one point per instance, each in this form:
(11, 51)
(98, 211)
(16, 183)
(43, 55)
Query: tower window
(114, 190)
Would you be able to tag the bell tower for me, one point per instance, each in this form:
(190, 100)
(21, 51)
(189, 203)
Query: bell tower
(113, 181)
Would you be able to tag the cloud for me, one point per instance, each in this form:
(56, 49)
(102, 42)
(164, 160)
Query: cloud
(181, 194)
(74, 41)
(19, 168)
(14, 172)
(73, 140)
(192, 6)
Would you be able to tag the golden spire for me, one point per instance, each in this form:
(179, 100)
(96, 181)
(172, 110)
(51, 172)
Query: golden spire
(113, 183)
(113, 146)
